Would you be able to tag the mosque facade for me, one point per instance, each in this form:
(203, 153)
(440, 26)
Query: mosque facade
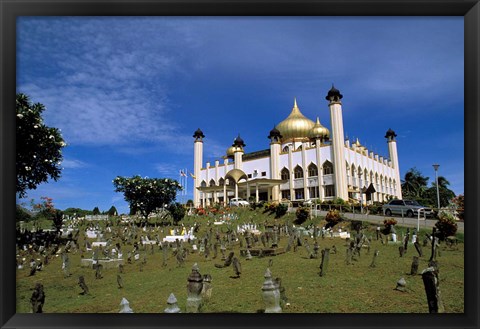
(304, 161)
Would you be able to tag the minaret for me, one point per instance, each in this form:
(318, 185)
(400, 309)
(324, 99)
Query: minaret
(392, 150)
(197, 164)
(275, 147)
(338, 146)
(238, 152)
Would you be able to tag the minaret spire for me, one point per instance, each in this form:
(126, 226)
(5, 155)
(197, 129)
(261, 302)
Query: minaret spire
(295, 102)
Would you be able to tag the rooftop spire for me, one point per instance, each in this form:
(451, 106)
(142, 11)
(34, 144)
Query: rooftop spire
(295, 102)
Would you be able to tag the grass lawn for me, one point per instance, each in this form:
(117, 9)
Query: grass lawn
(354, 288)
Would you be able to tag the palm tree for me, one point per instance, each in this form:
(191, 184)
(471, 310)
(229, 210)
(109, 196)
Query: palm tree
(414, 184)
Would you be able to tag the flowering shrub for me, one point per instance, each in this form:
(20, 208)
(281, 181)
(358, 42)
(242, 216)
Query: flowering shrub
(333, 218)
(302, 214)
(389, 222)
(446, 225)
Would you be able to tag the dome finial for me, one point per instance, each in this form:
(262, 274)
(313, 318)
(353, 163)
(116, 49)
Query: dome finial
(295, 102)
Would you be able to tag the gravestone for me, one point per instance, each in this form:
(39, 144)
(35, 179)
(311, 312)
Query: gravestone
(418, 247)
(119, 281)
(432, 289)
(172, 306)
(401, 250)
(237, 268)
(348, 258)
(38, 298)
(125, 306)
(324, 263)
(401, 285)
(270, 294)
(248, 255)
(83, 285)
(281, 289)
(98, 271)
(315, 250)
(120, 268)
(375, 254)
(194, 289)
(405, 241)
(207, 287)
(414, 267)
(334, 249)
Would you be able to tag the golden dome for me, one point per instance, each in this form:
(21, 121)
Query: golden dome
(295, 126)
(231, 151)
(319, 131)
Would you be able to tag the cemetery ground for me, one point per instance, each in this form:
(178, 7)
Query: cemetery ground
(345, 288)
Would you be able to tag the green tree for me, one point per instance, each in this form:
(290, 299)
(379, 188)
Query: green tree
(147, 194)
(96, 211)
(39, 147)
(414, 184)
(112, 211)
(22, 214)
(446, 195)
(177, 210)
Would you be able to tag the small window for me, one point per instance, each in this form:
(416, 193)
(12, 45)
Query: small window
(329, 190)
(249, 175)
(327, 168)
(298, 172)
(264, 173)
(285, 174)
(286, 194)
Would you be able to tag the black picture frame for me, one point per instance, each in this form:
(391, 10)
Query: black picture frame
(10, 10)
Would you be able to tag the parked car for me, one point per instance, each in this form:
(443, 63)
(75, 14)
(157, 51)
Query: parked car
(405, 207)
(238, 202)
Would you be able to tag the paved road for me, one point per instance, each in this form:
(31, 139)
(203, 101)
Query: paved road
(408, 222)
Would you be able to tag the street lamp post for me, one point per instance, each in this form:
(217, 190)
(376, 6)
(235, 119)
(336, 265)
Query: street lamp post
(435, 166)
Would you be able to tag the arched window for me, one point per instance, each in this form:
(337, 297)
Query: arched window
(212, 182)
(312, 170)
(285, 149)
(298, 172)
(327, 168)
(221, 182)
(285, 174)
(203, 184)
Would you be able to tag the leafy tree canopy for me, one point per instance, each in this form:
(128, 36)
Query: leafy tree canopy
(39, 147)
(96, 211)
(147, 194)
(112, 211)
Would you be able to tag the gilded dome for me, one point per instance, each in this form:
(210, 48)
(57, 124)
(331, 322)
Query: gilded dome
(295, 126)
(319, 131)
(231, 151)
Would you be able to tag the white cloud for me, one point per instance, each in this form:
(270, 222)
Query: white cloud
(73, 164)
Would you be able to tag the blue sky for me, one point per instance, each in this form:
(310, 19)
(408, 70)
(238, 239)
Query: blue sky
(128, 92)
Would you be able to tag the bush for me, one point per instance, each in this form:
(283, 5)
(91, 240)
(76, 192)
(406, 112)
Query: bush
(389, 222)
(177, 211)
(280, 210)
(333, 218)
(302, 214)
(446, 225)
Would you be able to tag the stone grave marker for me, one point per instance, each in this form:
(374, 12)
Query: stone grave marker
(271, 294)
(83, 285)
(414, 267)
(207, 287)
(248, 255)
(375, 254)
(281, 290)
(418, 247)
(401, 285)
(172, 306)
(119, 281)
(324, 263)
(432, 289)
(401, 250)
(125, 306)
(194, 289)
(237, 268)
(38, 298)
(98, 271)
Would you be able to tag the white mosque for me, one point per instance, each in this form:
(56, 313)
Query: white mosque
(304, 161)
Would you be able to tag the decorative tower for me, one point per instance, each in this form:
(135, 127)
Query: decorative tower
(338, 138)
(197, 164)
(275, 147)
(392, 150)
(238, 144)
(319, 135)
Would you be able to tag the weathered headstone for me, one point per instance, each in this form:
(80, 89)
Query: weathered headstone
(237, 268)
(207, 287)
(401, 250)
(432, 289)
(38, 298)
(401, 285)
(281, 289)
(348, 258)
(248, 255)
(194, 289)
(125, 306)
(375, 254)
(418, 247)
(271, 295)
(414, 268)
(83, 285)
(324, 263)
(119, 281)
(172, 306)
